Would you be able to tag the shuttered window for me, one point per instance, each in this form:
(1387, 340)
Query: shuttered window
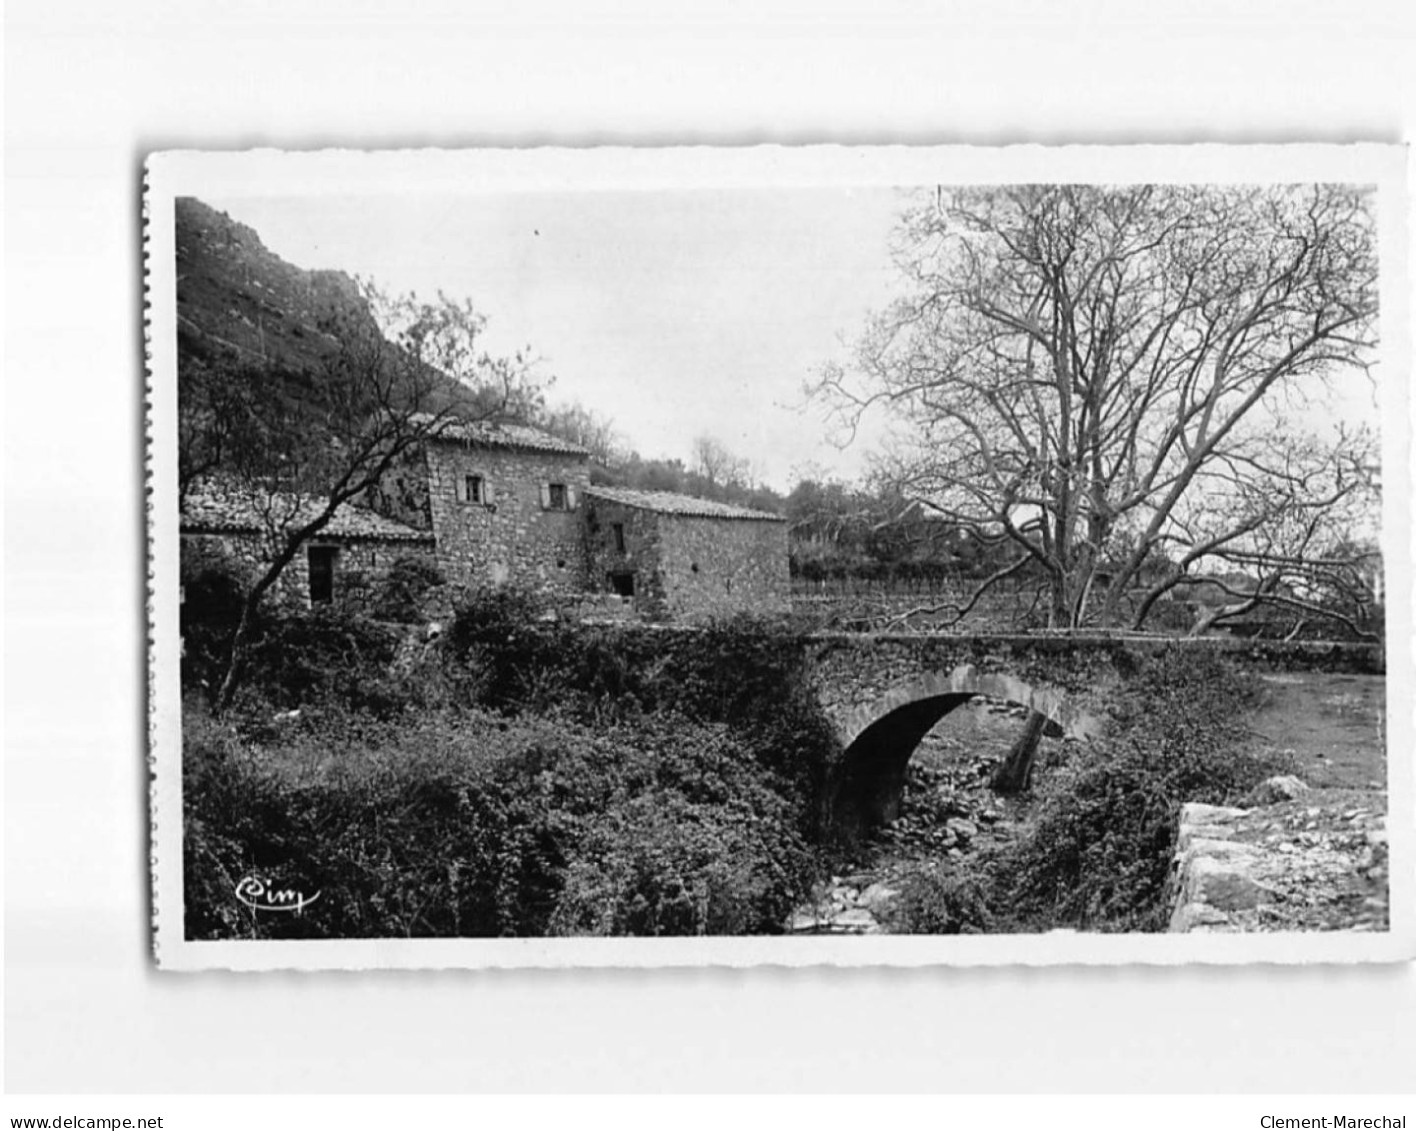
(557, 497)
(472, 489)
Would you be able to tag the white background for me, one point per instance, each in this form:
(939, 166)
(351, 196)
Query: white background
(91, 88)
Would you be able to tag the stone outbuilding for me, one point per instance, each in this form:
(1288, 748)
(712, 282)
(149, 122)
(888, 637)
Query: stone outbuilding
(679, 558)
(233, 530)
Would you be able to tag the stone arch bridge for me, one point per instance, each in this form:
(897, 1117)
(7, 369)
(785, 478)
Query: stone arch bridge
(885, 693)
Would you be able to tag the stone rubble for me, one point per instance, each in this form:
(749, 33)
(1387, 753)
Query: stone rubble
(1293, 859)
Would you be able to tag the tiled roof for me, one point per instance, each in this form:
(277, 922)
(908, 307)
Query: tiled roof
(666, 502)
(503, 436)
(217, 509)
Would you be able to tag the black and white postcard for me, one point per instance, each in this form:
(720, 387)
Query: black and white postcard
(780, 556)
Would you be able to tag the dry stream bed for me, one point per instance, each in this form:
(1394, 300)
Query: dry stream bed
(1315, 862)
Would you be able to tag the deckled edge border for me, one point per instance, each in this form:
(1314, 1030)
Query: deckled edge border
(167, 174)
(149, 576)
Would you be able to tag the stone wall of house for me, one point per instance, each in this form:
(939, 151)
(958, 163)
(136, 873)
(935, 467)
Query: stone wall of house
(243, 555)
(688, 568)
(402, 493)
(642, 555)
(361, 566)
(510, 537)
(360, 570)
(721, 566)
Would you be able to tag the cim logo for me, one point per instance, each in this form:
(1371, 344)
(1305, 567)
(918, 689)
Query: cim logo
(257, 893)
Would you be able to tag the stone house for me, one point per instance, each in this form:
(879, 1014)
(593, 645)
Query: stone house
(224, 527)
(502, 503)
(492, 505)
(679, 558)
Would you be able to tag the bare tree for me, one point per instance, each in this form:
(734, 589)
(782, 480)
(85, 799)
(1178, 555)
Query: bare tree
(1091, 376)
(718, 465)
(297, 447)
(592, 431)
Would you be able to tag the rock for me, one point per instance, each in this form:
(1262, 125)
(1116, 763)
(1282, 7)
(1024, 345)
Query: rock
(965, 830)
(1191, 833)
(1220, 849)
(877, 896)
(857, 918)
(1198, 813)
(1224, 885)
(1189, 916)
(1275, 790)
(803, 921)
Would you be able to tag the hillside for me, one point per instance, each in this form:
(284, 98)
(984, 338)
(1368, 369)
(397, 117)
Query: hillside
(293, 355)
(239, 301)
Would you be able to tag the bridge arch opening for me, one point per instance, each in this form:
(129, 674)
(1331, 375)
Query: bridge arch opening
(880, 739)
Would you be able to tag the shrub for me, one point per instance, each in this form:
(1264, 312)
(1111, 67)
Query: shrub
(473, 825)
(213, 591)
(589, 779)
(938, 901)
(507, 654)
(329, 657)
(1098, 851)
(661, 864)
(400, 594)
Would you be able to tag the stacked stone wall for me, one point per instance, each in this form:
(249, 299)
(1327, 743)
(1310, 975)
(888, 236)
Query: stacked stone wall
(642, 554)
(686, 567)
(715, 567)
(510, 537)
(361, 566)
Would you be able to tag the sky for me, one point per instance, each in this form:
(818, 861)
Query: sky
(675, 314)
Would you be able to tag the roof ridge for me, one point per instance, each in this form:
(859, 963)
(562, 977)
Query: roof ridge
(502, 434)
(697, 506)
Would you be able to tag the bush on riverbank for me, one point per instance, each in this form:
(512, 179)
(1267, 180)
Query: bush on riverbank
(579, 781)
(749, 675)
(1098, 848)
(478, 826)
(938, 900)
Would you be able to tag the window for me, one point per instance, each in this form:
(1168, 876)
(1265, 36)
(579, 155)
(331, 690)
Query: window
(472, 489)
(557, 497)
(618, 530)
(322, 574)
(622, 583)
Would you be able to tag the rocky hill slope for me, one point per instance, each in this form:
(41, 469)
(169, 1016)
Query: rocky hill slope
(238, 301)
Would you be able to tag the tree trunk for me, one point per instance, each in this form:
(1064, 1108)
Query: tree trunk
(1059, 608)
(231, 681)
(1014, 773)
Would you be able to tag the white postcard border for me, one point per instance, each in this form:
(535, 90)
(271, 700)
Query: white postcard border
(170, 175)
